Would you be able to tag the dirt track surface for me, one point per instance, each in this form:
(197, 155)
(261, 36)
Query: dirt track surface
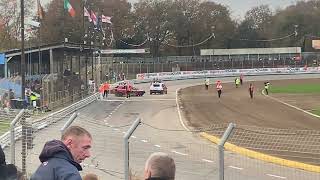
(203, 108)
(263, 124)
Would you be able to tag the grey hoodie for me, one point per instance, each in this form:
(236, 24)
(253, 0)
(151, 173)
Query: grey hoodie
(57, 163)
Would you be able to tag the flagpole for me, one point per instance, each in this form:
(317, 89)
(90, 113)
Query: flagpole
(83, 42)
(39, 53)
(23, 61)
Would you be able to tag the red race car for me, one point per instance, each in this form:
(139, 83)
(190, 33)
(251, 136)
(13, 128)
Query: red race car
(120, 91)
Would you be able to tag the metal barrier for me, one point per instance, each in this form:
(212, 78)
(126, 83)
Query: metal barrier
(23, 128)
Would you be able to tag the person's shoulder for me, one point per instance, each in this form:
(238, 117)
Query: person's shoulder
(73, 175)
(66, 170)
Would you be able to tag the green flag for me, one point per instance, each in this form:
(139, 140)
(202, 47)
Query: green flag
(69, 8)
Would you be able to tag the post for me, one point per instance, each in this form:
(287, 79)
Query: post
(5, 67)
(12, 135)
(221, 150)
(70, 121)
(126, 138)
(91, 51)
(24, 144)
(39, 48)
(86, 68)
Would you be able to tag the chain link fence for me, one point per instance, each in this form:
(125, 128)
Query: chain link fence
(27, 135)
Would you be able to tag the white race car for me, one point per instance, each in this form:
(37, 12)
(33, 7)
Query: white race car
(158, 87)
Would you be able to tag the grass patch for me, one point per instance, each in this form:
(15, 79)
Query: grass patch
(296, 88)
(316, 112)
(4, 127)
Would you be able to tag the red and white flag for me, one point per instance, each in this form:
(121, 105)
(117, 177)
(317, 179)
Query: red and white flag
(94, 18)
(106, 19)
(87, 14)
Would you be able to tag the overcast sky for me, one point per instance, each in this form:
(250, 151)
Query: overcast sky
(240, 7)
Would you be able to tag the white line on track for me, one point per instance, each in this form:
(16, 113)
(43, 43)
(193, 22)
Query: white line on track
(179, 112)
(143, 140)
(157, 146)
(115, 129)
(275, 176)
(235, 167)
(140, 100)
(133, 137)
(206, 160)
(299, 109)
(183, 154)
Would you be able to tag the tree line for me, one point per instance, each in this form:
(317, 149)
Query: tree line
(168, 27)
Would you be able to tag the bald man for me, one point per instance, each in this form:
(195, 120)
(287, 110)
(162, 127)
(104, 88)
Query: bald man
(159, 166)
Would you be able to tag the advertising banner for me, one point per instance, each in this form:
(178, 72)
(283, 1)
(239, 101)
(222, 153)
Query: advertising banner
(316, 44)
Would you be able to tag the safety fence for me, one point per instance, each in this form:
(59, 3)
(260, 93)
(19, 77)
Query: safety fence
(21, 137)
(195, 159)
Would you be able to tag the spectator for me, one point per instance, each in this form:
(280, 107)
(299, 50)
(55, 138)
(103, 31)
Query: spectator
(207, 83)
(251, 89)
(159, 166)
(11, 94)
(7, 171)
(90, 177)
(2, 157)
(266, 87)
(61, 159)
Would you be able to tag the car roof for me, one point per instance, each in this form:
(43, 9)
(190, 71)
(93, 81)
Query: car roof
(157, 83)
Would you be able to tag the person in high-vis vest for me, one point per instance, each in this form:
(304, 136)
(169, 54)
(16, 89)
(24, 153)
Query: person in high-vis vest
(219, 88)
(251, 89)
(101, 91)
(128, 90)
(33, 99)
(241, 79)
(106, 88)
(266, 88)
(207, 83)
(237, 82)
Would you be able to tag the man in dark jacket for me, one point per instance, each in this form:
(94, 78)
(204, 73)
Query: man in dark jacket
(61, 159)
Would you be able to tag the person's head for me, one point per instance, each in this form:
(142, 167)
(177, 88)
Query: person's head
(78, 141)
(159, 166)
(90, 176)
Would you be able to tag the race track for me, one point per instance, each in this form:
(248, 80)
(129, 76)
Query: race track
(161, 130)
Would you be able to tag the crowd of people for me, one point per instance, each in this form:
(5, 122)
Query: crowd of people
(34, 85)
(60, 160)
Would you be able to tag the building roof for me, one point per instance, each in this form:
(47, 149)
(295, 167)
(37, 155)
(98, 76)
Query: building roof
(68, 45)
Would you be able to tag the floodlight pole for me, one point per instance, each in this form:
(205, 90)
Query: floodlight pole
(23, 62)
(22, 71)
